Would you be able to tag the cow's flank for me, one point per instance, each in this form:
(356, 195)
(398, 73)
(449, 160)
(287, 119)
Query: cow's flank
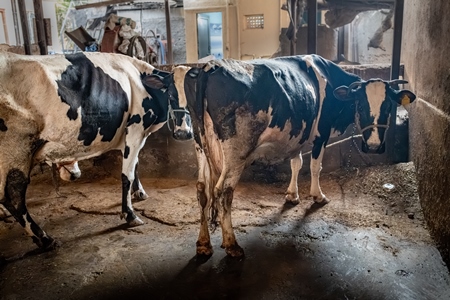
(62, 109)
(268, 109)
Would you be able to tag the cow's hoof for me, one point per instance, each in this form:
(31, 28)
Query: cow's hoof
(204, 250)
(292, 199)
(140, 195)
(235, 251)
(135, 222)
(321, 200)
(46, 243)
(132, 219)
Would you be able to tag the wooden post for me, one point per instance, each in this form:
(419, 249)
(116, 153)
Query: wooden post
(23, 22)
(169, 34)
(312, 27)
(40, 28)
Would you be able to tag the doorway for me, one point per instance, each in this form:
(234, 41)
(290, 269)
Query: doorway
(209, 35)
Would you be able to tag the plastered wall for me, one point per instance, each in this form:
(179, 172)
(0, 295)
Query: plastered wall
(426, 40)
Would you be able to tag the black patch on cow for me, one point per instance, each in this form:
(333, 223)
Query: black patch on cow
(149, 119)
(102, 100)
(135, 185)
(147, 104)
(281, 85)
(15, 191)
(126, 152)
(3, 125)
(154, 113)
(135, 119)
(289, 86)
(125, 191)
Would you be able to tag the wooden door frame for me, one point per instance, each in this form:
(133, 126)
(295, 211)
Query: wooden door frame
(5, 27)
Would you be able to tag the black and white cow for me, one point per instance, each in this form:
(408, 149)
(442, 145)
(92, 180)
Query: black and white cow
(67, 171)
(243, 111)
(61, 109)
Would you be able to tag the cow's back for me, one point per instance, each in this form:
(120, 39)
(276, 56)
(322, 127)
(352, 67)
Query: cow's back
(81, 102)
(277, 99)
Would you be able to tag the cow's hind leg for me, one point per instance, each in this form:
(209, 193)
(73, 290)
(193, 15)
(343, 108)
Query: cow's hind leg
(292, 191)
(15, 188)
(204, 193)
(316, 167)
(137, 191)
(223, 193)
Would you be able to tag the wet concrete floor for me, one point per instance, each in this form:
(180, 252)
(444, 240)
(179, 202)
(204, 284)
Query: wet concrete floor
(367, 243)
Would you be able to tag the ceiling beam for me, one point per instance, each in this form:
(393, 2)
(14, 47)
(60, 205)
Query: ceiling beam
(103, 3)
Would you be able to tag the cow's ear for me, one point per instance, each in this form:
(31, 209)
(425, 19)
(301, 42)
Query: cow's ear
(193, 73)
(343, 93)
(404, 97)
(153, 81)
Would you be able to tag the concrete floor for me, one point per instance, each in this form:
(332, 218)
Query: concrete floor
(367, 243)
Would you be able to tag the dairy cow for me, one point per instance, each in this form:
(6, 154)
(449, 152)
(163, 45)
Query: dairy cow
(243, 111)
(61, 109)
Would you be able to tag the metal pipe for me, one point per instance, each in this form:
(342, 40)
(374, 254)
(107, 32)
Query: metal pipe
(395, 73)
(169, 33)
(397, 44)
(312, 27)
(16, 21)
(239, 28)
(25, 32)
(341, 44)
(293, 42)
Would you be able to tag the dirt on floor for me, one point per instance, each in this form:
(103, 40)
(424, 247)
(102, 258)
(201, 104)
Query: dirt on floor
(369, 242)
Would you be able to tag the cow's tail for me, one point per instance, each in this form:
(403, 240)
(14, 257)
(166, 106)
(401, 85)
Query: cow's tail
(200, 101)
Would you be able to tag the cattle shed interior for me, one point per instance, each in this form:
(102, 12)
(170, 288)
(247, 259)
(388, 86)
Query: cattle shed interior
(385, 234)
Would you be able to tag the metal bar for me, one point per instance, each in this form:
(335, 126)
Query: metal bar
(16, 21)
(341, 44)
(312, 27)
(397, 44)
(395, 72)
(293, 41)
(25, 32)
(40, 28)
(169, 33)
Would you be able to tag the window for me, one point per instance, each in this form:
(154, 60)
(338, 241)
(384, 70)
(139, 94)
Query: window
(254, 21)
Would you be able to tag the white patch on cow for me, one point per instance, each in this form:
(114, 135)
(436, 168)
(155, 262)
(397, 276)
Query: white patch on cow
(179, 73)
(335, 133)
(27, 226)
(69, 171)
(212, 144)
(292, 190)
(322, 86)
(274, 143)
(238, 66)
(376, 94)
(316, 167)
(184, 126)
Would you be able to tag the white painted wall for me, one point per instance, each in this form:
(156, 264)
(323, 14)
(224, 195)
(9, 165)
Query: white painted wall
(239, 42)
(363, 29)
